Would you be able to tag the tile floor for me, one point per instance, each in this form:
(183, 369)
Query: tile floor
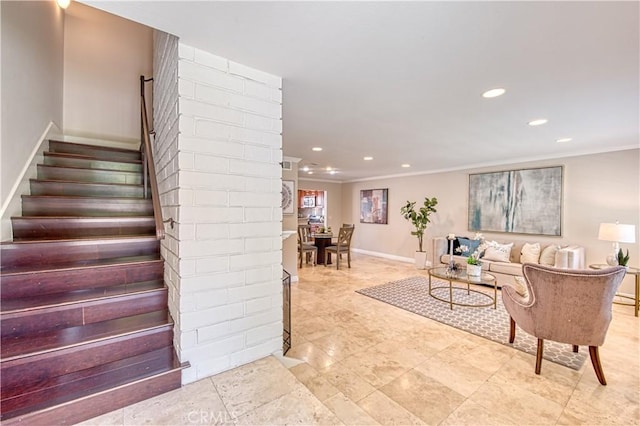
(366, 363)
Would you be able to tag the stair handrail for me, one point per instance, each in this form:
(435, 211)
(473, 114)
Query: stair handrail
(149, 169)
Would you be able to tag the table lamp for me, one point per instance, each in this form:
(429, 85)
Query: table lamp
(618, 233)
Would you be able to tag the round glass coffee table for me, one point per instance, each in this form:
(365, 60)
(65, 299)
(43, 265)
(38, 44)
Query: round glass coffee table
(460, 277)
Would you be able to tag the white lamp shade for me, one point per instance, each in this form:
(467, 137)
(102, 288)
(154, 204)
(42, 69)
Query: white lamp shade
(617, 232)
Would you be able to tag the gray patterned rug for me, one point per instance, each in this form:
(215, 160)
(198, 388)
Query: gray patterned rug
(412, 294)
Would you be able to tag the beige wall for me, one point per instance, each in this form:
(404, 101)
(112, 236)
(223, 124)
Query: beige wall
(104, 56)
(290, 223)
(597, 188)
(32, 78)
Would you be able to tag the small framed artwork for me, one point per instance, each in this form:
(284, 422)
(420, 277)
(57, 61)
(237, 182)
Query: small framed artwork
(288, 197)
(525, 201)
(373, 206)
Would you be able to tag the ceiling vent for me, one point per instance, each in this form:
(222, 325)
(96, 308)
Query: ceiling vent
(287, 165)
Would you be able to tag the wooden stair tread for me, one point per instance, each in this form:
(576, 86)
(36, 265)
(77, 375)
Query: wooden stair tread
(90, 169)
(58, 299)
(91, 147)
(85, 322)
(83, 384)
(85, 157)
(77, 384)
(53, 340)
(82, 182)
(90, 219)
(38, 228)
(125, 200)
(80, 264)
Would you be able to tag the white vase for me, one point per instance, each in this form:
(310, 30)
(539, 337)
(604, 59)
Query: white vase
(421, 259)
(474, 270)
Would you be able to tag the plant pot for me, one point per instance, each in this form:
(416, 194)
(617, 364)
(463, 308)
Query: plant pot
(421, 259)
(474, 270)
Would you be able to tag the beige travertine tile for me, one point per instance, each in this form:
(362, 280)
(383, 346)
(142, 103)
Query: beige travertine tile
(471, 413)
(321, 388)
(376, 368)
(311, 354)
(386, 411)
(296, 407)
(505, 400)
(303, 371)
(497, 380)
(197, 403)
(483, 354)
(455, 374)
(555, 382)
(339, 345)
(348, 411)
(590, 402)
(424, 397)
(249, 386)
(113, 418)
(347, 381)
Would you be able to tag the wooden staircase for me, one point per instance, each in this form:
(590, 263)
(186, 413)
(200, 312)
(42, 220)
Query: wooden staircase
(84, 319)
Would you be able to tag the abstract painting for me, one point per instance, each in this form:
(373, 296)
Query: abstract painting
(526, 201)
(373, 206)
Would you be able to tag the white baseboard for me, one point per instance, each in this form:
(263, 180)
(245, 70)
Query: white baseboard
(384, 255)
(12, 205)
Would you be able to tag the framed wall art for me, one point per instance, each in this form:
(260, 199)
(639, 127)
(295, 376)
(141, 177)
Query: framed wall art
(373, 206)
(288, 196)
(525, 201)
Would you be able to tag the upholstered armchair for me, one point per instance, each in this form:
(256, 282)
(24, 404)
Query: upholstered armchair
(564, 305)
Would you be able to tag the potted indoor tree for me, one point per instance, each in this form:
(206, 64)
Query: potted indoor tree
(419, 219)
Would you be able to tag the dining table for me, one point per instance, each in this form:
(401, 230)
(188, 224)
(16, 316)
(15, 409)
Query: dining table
(322, 240)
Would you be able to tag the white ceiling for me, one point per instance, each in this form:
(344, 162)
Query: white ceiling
(402, 81)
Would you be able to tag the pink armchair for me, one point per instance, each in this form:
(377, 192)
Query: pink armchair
(564, 305)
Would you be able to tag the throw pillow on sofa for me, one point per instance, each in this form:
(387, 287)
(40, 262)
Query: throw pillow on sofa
(548, 255)
(471, 246)
(498, 252)
(530, 253)
(521, 286)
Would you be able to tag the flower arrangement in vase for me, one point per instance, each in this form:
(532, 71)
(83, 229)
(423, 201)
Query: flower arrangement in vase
(474, 266)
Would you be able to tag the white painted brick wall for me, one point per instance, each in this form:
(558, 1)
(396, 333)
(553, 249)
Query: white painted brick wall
(221, 179)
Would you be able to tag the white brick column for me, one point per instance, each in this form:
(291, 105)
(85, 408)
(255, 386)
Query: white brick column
(227, 252)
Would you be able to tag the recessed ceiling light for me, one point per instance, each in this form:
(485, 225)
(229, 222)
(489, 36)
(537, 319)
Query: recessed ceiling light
(368, 158)
(329, 168)
(537, 122)
(493, 93)
(310, 173)
(332, 172)
(406, 165)
(316, 148)
(305, 169)
(564, 140)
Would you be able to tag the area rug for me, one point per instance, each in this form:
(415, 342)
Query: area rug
(412, 294)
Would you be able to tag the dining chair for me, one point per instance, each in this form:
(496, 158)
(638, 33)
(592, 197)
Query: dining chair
(306, 248)
(343, 245)
(564, 305)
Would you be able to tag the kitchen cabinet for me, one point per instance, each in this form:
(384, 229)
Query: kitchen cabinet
(311, 199)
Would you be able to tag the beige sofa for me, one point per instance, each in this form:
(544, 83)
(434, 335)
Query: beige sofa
(568, 257)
